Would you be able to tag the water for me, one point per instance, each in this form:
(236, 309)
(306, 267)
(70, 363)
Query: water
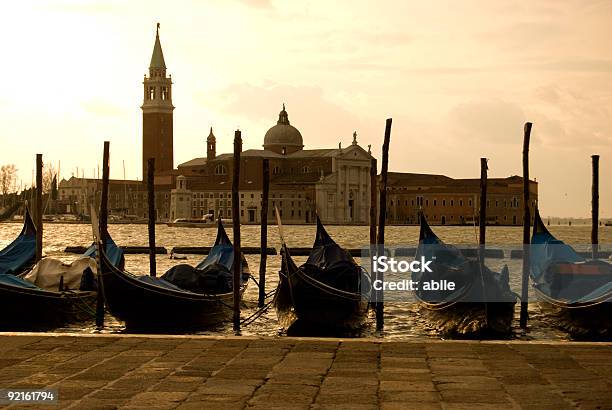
(402, 320)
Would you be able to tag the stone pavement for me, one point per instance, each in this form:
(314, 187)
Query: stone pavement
(195, 372)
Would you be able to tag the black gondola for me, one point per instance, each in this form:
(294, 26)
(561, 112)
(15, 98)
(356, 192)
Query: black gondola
(576, 291)
(481, 303)
(27, 306)
(146, 302)
(329, 293)
(20, 254)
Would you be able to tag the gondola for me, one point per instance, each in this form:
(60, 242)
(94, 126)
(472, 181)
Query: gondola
(575, 290)
(184, 297)
(26, 305)
(20, 254)
(481, 303)
(328, 294)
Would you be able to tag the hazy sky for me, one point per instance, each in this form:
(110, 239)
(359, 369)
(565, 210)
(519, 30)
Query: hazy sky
(458, 78)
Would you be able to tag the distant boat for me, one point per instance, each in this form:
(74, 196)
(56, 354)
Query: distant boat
(609, 223)
(184, 297)
(577, 291)
(206, 221)
(329, 293)
(481, 302)
(41, 298)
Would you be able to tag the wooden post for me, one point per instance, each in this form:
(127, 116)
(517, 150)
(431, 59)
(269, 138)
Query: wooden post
(595, 207)
(482, 214)
(382, 215)
(526, 229)
(103, 229)
(373, 198)
(236, 224)
(264, 232)
(151, 199)
(39, 208)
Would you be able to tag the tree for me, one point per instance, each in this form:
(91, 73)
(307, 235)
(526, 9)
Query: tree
(8, 180)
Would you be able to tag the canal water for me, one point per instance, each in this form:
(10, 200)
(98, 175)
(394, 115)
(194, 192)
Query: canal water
(402, 319)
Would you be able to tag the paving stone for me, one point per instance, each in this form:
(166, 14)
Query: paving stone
(198, 372)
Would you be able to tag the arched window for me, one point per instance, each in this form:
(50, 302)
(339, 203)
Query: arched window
(220, 169)
(305, 169)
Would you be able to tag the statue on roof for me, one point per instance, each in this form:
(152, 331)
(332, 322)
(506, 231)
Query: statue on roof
(355, 138)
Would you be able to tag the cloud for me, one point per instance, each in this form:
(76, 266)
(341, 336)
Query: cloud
(321, 120)
(493, 121)
(258, 4)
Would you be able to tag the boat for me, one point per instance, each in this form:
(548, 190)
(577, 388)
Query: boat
(206, 221)
(575, 290)
(329, 294)
(51, 294)
(184, 297)
(20, 254)
(480, 304)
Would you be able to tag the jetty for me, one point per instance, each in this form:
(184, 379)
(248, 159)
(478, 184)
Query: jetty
(193, 372)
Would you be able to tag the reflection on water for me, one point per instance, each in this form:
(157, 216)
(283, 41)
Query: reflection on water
(402, 320)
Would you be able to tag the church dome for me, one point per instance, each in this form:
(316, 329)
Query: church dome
(283, 137)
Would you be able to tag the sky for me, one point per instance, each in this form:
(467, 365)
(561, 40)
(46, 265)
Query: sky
(459, 79)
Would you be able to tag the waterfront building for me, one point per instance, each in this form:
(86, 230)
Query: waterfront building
(448, 201)
(333, 182)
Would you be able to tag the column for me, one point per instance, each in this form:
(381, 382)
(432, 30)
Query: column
(337, 208)
(347, 211)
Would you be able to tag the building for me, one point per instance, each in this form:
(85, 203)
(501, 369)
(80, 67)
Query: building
(335, 183)
(157, 108)
(126, 199)
(447, 201)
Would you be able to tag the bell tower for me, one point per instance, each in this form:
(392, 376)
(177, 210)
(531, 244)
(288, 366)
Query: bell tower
(157, 108)
(211, 146)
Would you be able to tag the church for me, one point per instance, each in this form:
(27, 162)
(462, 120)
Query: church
(333, 182)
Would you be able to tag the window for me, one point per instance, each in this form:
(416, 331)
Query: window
(434, 202)
(305, 169)
(444, 202)
(220, 169)
(241, 195)
(253, 196)
(276, 170)
(452, 204)
(461, 202)
(470, 202)
(151, 93)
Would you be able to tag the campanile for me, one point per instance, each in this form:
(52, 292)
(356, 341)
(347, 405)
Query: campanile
(157, 111)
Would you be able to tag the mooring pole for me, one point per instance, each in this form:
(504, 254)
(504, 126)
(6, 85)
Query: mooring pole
(382, 216)
(482, 214)
(526, 229)
(103, 226)
(595, 207)
(264, 231)
(151, 200)
(39, 208)
(236, 224)
(373, 198)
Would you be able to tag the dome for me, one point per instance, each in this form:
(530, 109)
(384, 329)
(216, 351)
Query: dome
(283, 137)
